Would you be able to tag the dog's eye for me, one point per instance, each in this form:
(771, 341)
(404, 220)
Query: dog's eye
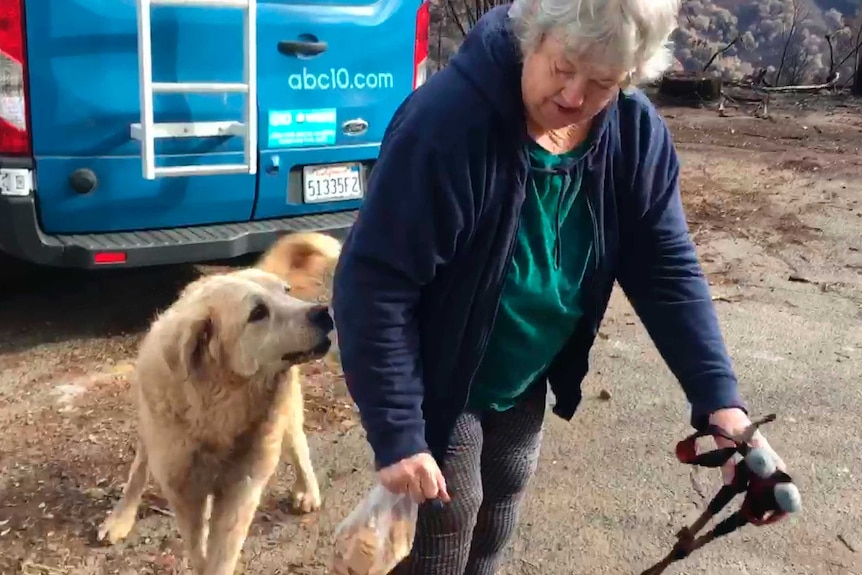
(260, 312)
(286, 288)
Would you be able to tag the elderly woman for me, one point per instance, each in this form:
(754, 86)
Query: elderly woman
(511, 191)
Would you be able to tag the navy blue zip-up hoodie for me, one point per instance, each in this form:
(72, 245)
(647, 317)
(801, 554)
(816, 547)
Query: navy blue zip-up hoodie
(418, 283)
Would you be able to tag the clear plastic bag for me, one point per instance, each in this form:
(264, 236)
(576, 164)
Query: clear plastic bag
(376, 536)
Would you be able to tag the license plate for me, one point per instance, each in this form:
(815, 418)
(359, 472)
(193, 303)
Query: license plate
(332, 183)
(16, 182)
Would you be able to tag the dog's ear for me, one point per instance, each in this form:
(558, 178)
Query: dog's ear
(300, 256)
(187, 354)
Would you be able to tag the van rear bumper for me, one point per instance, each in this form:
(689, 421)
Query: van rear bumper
(20, 236)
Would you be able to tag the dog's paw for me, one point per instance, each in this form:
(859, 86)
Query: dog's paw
(115, 528)
(304, 501)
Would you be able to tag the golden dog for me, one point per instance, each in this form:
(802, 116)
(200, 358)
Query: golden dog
(217, 388)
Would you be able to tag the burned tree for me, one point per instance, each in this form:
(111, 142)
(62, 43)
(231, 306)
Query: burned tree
(857, 52)
(793, 54)
(845, 51)
(696, 85)
(452, 20)
(718, 53)
(857, 77)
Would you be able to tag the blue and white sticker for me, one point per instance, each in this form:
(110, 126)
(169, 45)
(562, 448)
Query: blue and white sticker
(293, 128)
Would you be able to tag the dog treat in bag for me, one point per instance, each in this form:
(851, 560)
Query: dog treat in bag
(376, 535)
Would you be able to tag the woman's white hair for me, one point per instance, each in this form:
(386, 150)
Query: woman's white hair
(632, 35)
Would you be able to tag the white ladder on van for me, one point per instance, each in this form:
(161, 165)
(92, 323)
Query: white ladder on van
(147, 131)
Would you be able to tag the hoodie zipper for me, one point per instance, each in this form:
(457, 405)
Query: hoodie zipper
(567, 182)
(598, 253)
(595, 222)
(597, 248)
(483, 343)
(498, 296)
(558, 244)
(486, 333)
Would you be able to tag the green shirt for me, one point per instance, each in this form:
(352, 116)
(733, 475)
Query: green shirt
(540, 303)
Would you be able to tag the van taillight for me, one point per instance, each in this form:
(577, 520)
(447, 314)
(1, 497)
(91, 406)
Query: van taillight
(420, 49)
(14, 137)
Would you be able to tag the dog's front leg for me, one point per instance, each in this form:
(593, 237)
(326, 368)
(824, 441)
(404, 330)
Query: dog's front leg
(187, 485)
(237, 496)
(188, 500)
(234, 507)
(189, 504)
(305, 495)
(122, 517)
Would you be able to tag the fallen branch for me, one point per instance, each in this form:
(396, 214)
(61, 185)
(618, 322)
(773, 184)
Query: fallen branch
(726, 299)
(28, 567)
(846, 543)
(800, 279)
(802, 88)
(161, 511)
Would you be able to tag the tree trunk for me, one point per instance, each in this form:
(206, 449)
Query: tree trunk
(857, 81)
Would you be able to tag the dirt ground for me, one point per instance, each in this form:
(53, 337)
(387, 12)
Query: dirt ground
(775, 206)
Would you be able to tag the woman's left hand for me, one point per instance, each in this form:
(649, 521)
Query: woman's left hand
(736, 423)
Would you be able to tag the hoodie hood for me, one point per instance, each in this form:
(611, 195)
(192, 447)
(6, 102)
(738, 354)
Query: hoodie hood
(491, 61)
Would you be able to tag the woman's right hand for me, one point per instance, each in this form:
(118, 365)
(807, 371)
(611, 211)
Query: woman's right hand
(417, 475)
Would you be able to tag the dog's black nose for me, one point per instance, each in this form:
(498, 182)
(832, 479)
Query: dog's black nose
(319, 317)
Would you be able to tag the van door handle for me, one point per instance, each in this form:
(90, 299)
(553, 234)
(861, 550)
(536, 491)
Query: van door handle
(301, 48)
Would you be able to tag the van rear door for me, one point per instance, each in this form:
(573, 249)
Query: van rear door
(84, 95)
(331, 73)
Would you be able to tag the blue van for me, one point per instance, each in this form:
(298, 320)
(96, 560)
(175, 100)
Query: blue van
(143, 132)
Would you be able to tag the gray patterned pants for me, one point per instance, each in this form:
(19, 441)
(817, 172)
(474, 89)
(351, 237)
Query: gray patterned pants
(490, 460)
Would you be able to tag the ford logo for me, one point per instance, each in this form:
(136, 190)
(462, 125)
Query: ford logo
(355, 127)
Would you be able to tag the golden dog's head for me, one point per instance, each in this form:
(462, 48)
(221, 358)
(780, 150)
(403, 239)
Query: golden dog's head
(306, 261)
(244, 324)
